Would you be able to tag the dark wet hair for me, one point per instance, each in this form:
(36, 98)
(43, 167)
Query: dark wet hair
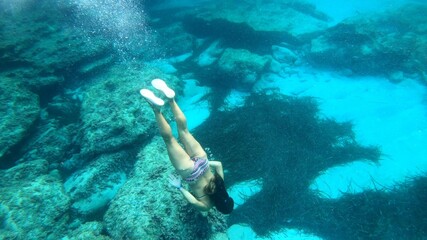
(218, 193)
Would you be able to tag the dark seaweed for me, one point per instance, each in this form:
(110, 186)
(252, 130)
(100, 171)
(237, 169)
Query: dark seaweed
(283, 141)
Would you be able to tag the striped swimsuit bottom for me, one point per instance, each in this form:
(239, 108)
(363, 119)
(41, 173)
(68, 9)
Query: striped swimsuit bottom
(201, 165)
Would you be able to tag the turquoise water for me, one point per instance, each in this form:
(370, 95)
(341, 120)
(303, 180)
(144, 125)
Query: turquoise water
(316, 109)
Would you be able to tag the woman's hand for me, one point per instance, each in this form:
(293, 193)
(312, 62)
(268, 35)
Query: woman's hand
(175, 181)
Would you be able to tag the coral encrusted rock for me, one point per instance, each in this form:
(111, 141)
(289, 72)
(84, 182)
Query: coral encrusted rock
(19, 109)
(33, 204)
(241, 67)
(113, 112)
(146, 207)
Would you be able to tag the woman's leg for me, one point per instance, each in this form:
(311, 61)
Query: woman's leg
(193, 148)
(178, 157)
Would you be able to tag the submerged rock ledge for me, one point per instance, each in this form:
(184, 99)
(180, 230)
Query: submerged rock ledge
(247, 23)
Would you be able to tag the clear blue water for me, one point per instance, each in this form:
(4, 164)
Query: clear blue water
(316, 109)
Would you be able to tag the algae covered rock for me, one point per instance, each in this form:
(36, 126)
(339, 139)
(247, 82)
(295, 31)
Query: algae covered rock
(147, 208)
(38, 48)
(19, 109)
(113, 112)
(241, 67)
(387, 43)
(51, 142)
(284, 55)
(87, 231)
(249, 22)
(175, 40)
(23, 172)
(33, 203)
(270, 17)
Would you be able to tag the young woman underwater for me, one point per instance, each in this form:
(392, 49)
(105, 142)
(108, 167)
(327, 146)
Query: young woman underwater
(205, 178)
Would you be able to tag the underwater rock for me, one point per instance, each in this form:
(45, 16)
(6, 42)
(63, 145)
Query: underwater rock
(51, 141)
(175, 40)
(65, 107)
(95, 65)
(283, 55)
(242, 67)
(36, 80)
(146, 207)
(234, 99)
(33, 202)
(64, 50)
(87, 231)
(92, 187)
(24, 172)
(210, 54)
(52, 135)
(396, 77)
(8, 227)
(256, 24)
(38, 48)
(55, 138)
(394, 41)
(164, 65)
(19, 110)
(113, 112)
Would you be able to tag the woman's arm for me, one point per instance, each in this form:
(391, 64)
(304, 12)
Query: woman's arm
(175, 181)
(193, 201)
(218, 167)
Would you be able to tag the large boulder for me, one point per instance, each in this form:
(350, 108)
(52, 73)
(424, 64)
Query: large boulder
(52, 142)
(19, 110)
(87, 231)
(241, 68)
(147, 208)
(113, 112)
(246, 22)
(174, 40)
(92, 187)
(391, 43)
(38, 48)
(33, 204)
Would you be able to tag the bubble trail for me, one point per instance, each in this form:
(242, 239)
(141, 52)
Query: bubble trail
(123, 22)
